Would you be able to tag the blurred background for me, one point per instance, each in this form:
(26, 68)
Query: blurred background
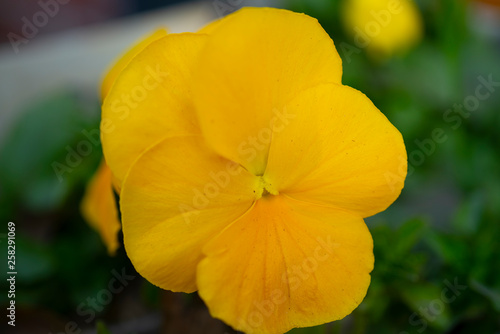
(432, 66)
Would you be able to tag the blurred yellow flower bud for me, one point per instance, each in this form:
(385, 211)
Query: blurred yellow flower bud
(383, 27)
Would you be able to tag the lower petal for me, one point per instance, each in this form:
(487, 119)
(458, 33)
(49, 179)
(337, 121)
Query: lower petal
(177, 196)
(286, 264)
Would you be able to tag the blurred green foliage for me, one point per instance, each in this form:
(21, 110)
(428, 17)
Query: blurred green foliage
(437, 248)
(102, 329)
(55, 249)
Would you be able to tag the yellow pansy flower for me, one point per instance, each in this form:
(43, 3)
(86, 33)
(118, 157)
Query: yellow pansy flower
(247, 168)
(383, 27)
(98, 205)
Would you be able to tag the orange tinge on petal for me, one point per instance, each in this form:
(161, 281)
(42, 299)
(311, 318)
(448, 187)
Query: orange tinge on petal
(98, 207)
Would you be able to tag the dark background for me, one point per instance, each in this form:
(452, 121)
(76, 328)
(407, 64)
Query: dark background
(443, 231)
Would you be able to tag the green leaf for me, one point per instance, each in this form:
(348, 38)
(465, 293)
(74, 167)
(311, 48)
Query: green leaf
(425, 300)
(468, 216)
(49, 133)
(150, 293)
(408, 235)
(33, 261)
(492, 295)
(101, 328)
(451, 249)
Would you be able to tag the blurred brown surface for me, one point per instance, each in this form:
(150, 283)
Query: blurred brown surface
(189, 316)
(61, 14)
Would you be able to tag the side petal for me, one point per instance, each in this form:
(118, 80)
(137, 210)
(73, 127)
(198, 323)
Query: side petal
(255, 60)
(177, 196)
(286, 264)
(150, 100)
(98, 207)
(338, 150)
(120, 64)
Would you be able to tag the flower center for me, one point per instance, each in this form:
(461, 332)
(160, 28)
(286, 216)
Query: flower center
(265, 188)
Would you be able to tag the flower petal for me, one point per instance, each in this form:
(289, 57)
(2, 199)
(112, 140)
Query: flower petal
(119, 65)
(286, 264)
(98, 207)
(337, 149)
(177, 196)
(150, 100)
(255, 60)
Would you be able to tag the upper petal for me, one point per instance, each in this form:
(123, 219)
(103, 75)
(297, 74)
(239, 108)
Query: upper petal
(177, 196)
(337, 149)
(119, 65)
(286, 264)
(254, 61)
(151, 99)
